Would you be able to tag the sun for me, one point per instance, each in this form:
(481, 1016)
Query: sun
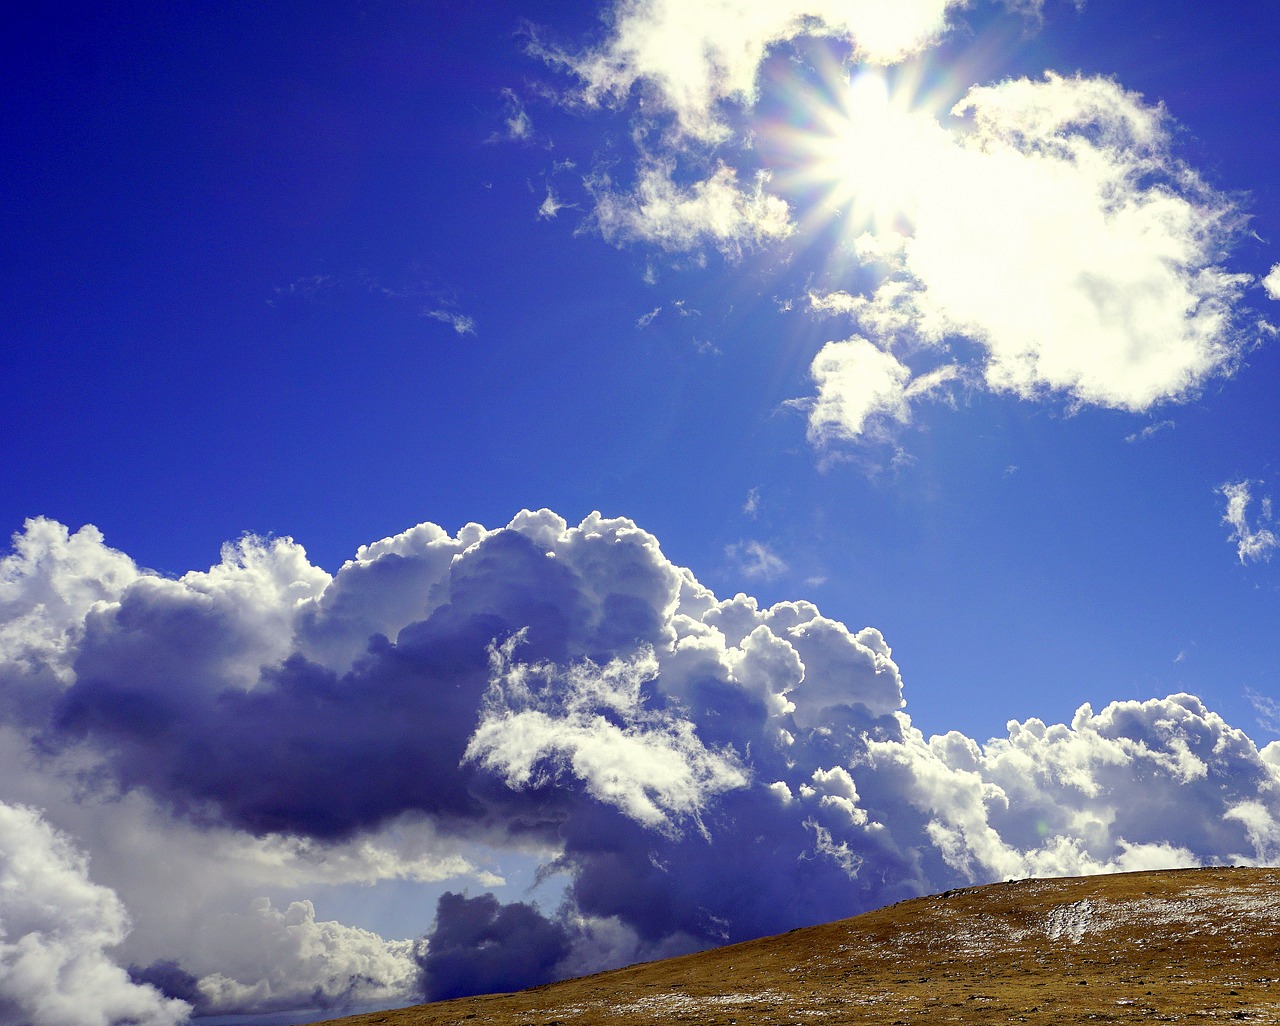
(866, 151)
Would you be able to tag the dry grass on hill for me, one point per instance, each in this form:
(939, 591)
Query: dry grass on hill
(1178, 946)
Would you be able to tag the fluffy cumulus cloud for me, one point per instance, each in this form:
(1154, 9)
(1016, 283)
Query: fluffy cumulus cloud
(1124, 307)
(694, 769)
(862, 389)
(1052, 226)
(56, 930)
(269, 950)
(1272, 282)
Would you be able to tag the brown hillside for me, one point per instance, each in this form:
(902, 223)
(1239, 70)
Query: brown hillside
(1179, 946)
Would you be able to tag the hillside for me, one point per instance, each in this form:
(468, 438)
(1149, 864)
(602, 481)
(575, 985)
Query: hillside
(1175, 946)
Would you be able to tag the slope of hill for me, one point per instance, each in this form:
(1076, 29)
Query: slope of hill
(1175, 946)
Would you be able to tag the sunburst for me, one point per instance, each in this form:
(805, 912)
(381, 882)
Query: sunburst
(866, 148)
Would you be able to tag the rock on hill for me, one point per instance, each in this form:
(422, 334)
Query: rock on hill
(1177, 946)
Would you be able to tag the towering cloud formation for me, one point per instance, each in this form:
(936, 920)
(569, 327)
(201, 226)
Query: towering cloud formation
(699, 770)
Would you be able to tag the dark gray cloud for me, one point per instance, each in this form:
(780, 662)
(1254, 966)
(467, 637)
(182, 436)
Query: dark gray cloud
(479, 946)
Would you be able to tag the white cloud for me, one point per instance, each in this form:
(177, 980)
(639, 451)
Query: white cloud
(540, 722)
(516, 120)
(1063, 236)
(56, 928)
(1061, 800)
(1047, 221)
(861, 387)
(716, 211)
(47, 585)
(856, 382)
(1149, 431)
(1060, 233)
(1272, 282)
(1268, 710)
(755, 559)
(280, 959)
(1252, 543)
(459, 322)
(551, 206)
(691, 57)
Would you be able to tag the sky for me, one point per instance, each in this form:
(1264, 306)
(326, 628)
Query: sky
(470, 467)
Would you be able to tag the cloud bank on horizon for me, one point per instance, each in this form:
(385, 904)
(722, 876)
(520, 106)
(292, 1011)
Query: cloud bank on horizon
(562, 691)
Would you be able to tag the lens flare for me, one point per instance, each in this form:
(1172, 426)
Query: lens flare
(865, 148)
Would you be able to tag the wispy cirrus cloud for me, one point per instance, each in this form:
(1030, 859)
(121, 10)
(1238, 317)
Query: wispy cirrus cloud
(1150, 431)
(755, 559)
(463, 324)
(1255, 541)
(718, 211)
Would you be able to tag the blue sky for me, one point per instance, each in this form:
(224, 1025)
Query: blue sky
(850, 304)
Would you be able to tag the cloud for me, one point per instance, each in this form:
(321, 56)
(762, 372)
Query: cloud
(461, 323)
(48, 583)
(1251, 543)
(675, 216)
(591, 722)
(1124, 308)
(56, 928)
(1126, 305)
(284, 958)
(695, 770)
(551, 206)
(1268, 710)
(691, 58)
(1272, 282)
(1127, 308)
(756, 560)
(1150, 431)
(861, 388)
(517, 124)
(478, 946)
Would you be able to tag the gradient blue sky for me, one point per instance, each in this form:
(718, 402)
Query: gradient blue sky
(289, 270)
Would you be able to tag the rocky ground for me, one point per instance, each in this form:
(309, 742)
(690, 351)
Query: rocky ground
(1179, 946)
